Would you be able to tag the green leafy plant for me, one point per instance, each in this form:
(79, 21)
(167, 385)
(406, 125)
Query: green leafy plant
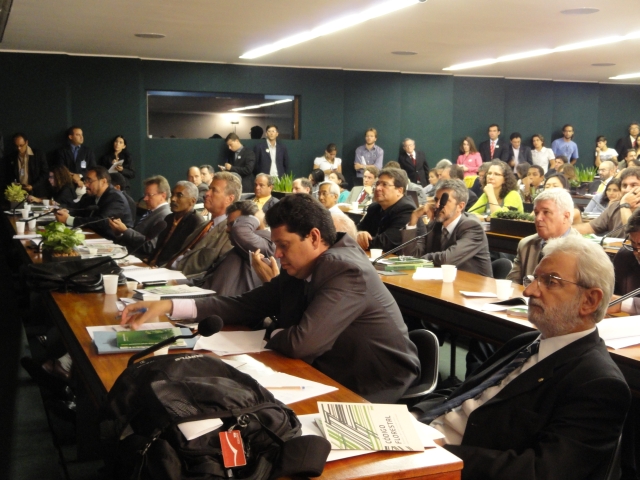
(14, 193)
(58, 238)
(511, 215)
(586, 174)
(575, 183)
(284, 183)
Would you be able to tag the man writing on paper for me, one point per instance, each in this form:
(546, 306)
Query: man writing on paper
(457, 238)
(549, 404)
(333, 310)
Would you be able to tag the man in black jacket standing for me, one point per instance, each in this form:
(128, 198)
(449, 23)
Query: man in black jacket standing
(28, 167)
(240, 160)
(494, 148)
(75, 156)
(271, 158)
(414, 162)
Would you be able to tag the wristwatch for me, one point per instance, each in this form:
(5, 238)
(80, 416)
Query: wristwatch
(625, 205)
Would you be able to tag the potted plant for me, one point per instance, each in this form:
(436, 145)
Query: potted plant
(14, 194)
(517, 224)
(59, 242)
(283, 185)
(585, 176)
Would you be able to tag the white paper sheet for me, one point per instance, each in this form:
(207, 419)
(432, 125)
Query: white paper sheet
(27, 236)
(197, 428)
(232, 343)
(620, 332)
(423, 273)
(479, 294)
(141, 274)
(278, 383)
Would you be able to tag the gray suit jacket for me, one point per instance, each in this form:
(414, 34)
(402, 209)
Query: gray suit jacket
(467, 247)
(344, 322)
(136, 237)
(233, 274)
(204, 253)
(528, 257)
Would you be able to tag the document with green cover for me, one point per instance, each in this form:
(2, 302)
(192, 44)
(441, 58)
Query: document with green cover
(146, 338)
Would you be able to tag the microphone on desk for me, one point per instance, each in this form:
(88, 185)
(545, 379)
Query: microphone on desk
(207, 327)
(443, 201)
(612, 232)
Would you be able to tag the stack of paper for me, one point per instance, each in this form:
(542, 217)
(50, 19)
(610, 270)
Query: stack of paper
(142, 274)
(287, 388)
(232, 343)
(620, 332)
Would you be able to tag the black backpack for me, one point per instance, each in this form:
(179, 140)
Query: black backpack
(150, 398)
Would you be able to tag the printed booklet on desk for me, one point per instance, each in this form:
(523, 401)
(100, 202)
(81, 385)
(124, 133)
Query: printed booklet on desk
(363, 426)
(173, 291)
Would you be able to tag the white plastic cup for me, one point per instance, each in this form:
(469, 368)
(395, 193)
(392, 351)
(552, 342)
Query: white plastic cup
(32, 225)
(355, 205)
(132, 285)
(375, 252)
(110, 284)
(503, 289)
(25, 213)
(27, 207)
(20, 228)
(92, 250)
(45, 202)
(449, 273)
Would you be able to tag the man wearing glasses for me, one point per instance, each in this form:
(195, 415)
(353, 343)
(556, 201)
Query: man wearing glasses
(550, 404)
(101, 201)
(626, 264)
(143, 236)
(553, 211)
(391, 211)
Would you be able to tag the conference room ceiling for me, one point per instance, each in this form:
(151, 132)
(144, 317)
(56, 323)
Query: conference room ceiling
(441, 32)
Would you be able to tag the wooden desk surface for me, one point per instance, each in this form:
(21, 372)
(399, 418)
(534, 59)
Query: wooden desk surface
(74, 312)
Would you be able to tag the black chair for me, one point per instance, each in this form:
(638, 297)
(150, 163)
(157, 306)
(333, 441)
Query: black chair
(501, 268)
(428, 352)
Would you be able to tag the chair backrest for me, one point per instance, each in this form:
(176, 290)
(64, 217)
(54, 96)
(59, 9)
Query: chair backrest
(428, 352)
(501, 268)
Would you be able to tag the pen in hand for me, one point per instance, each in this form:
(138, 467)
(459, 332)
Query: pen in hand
(137, 312)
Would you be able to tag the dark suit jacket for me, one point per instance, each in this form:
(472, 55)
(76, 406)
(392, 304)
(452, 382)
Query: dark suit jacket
(344, 322)
(64, 156)
(270, 203)
(627, 272)
(263, 158)
(524, 154)
(191, 222)
(559, 419)
(622, 145)
(38, 172)
(243, 166)
(112, 203)
(127, 167)
(467, 247)
(233, 274)
(419, 171)
(202, 190)
(501, 152)
(139, 235)
(65, 196)
(385, 225)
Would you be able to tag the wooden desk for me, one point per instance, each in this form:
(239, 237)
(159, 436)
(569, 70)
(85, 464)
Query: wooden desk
(499, 242)
(72, 313)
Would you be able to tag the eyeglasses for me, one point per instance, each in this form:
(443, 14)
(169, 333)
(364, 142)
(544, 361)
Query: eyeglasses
(547, 280)
(630, 245)
(385, 185)
(89, 181)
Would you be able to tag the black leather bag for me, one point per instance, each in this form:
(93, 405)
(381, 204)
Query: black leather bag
(78, 275)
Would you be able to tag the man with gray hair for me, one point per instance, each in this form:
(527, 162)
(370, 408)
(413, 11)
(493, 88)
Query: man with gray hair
(301, 185)
(182, 221)
(414, 162)
(553, 211)
(550, 404)
(457, 238)
(328, 193)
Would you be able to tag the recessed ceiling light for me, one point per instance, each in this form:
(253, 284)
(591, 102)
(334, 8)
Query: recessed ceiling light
(401, 52)
(626, 76)
(334, 26)
(150, 35)
(546, 51)
(580, 11)
(602, 64)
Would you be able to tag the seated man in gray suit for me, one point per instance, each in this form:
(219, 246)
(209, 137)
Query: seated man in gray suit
(233, 275)
(205, 246)
(332, 309)
(549, 404)
(144, 235)
(457, 238)
(553, 210)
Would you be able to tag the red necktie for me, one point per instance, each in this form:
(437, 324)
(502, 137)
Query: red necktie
(493, 147)
(414, 159)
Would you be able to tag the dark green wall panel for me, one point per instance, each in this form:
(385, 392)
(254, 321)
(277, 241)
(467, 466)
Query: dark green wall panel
(528, 109)
(619, 105)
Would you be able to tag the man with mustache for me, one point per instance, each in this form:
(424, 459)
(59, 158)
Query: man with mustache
(549, 404)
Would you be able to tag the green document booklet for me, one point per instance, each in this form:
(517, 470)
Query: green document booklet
(146, 338)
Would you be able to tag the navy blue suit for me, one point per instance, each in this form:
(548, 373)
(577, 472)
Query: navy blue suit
(263, 158)
(64, 156)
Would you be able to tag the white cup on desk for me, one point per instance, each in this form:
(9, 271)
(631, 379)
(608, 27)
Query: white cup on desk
(448, 273)
(20, 227)
(355, 206)
(32, 225)
(110, 284)
(503, 289)
(132, 285)
(375, 252)
(25, 213)
(45, 202)
(27, 207)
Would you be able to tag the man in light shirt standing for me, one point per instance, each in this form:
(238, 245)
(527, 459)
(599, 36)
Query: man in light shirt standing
(549, 404)
(368, 154)
(271, 158)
